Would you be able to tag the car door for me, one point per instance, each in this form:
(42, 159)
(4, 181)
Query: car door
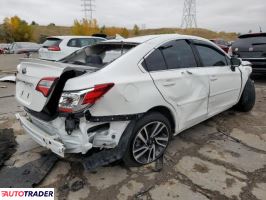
(225, 84)
(174, 70)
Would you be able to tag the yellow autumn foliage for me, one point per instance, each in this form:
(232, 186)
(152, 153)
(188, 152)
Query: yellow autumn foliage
(16, 30)
(85, 27)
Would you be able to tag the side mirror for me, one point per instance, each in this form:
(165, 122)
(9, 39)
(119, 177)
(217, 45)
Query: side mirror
(235, 62)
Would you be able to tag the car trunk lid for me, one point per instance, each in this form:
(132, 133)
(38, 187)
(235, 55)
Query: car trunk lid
(30, 73)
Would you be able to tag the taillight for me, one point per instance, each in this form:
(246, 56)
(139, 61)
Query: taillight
(78, 101)
(54, 48)
(45, 85)
(98, 91)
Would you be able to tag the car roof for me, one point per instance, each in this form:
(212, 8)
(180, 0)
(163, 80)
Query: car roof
(73, 36)
(158, 38)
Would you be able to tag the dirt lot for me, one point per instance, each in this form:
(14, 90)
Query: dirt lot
(222, 158)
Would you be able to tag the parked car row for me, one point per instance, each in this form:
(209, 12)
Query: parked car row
(54, 48)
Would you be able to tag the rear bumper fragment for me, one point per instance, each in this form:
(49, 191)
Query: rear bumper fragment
(42, 138)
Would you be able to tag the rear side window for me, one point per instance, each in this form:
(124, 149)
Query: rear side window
(82, 42)
(74, 43)
(178, 54)
(155, 61)
(51, 42)
(210, 56)
(87, 42)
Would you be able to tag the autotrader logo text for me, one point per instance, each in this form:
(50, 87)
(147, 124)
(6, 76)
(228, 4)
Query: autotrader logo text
(27, 193)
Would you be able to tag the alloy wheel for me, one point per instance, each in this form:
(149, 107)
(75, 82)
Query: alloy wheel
(150, 142)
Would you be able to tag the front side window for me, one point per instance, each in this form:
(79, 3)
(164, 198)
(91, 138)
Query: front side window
(210, 56)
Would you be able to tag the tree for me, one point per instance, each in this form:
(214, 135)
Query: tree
(136, 30)
(33, 23)
(85, 27)
(124, 32)
(102, 29)
(51, 24)
(15, 29)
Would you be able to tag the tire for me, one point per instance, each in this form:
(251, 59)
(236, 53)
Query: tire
(149, 121)
(248, 98)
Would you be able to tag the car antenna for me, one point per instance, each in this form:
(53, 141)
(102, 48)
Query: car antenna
(260, 29)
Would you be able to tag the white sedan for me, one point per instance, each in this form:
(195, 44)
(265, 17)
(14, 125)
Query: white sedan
(128, 98)
(58, 47)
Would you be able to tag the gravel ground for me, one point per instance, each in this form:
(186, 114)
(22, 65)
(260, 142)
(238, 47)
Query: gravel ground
(222, 158)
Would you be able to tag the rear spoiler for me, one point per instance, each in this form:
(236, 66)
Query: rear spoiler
(252, 35)
(39, 61)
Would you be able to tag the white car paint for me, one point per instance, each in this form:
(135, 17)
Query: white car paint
(65, 48)
(192, 95)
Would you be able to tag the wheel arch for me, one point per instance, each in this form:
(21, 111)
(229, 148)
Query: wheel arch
(167, 113)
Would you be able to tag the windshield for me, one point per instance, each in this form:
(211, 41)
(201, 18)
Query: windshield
(98, 55)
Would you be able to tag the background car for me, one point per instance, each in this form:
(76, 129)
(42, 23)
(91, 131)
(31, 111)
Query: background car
(23, 47)
(3, 48)
(222, 43)
(57, 47)
(252, 48)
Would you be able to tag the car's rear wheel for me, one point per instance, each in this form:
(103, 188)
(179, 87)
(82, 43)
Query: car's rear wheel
(248, 98)
(149, 140)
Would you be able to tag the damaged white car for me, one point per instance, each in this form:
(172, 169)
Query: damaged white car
(125, 99)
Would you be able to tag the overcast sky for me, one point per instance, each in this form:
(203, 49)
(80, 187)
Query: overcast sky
(218, 15)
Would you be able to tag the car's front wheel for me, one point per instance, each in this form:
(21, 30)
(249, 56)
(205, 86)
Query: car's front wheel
(149, 140)
(248, 98)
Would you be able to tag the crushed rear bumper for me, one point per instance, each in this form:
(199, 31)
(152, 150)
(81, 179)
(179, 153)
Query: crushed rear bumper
(42, 138)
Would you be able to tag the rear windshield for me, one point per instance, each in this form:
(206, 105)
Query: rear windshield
(256, 40)
(51, 42)
(98, 55)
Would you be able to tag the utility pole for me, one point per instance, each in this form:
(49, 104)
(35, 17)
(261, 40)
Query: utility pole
(189, 19)
(88, 8)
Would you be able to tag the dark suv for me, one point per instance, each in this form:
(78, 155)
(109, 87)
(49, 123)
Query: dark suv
(252, 48)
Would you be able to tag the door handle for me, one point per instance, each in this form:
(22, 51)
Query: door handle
(186, 72)
(213, 78)
(189, 72)
(169, 83)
